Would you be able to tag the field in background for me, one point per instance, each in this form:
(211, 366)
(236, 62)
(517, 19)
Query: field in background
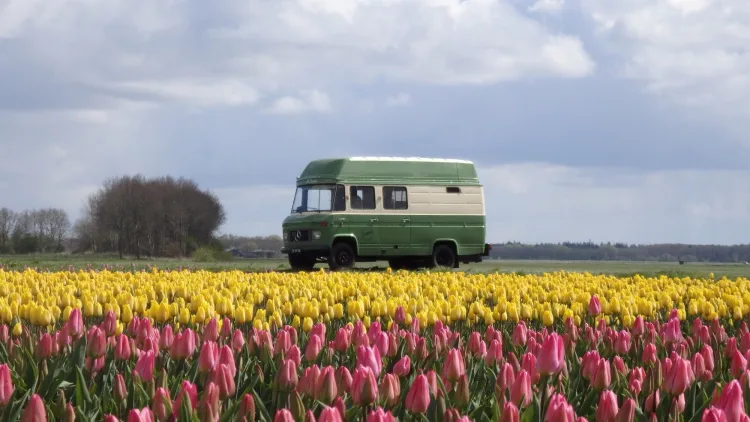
(57, 262)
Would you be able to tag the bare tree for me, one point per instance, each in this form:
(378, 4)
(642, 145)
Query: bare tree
(151, 217)
(7, 221)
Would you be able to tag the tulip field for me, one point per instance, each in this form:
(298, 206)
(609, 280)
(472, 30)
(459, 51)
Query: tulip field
(187, 345)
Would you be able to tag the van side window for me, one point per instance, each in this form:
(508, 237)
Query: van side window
(362, 197)
(394, 198)
(339, 200)
(453, 189)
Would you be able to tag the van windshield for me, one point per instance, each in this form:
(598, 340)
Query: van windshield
(319, 198)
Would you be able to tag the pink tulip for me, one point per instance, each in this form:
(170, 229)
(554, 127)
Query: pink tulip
(6, 385)
(595, 307)
(418, 397)
(44, 347)
(238, 341)
(379, 415)
(142, 415)
(713, 414)
(551, 358)
(160, 404)
(342, 340)
(649, 354)
(606, 410)
(627, 411)
(283, 342)
(622, 343)
(309, 380)
(325, 388)
(34, 410)
(209, 405)
(510, 413)
(119, 388)
(110, 418)
(738, 365)
(677, 379)
(399, 316)
(74, 326)
(390, 390)
(211, 331)
(247, 407)
(224, 379)
(520, 392)
(122, 348)
(370, 357)
(283, 415)
(329, 414)
(287, 375)
(96, 342)
(314, 345)
(343, 380)
(109, 324)
(226, 328)
(184, 344)
(602, 376)
(166, 339)
(188, 391)
(145, 366)
(208, 356)
(731, 401)
(454, 365)
(294, 355)
(226, 357)
(519, 334)
(494, 353)
(364, 386)
(402, 367)
(559, 409)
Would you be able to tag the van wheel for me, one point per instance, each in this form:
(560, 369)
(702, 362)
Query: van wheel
(300, 262)
(342, 256)
(443, 257)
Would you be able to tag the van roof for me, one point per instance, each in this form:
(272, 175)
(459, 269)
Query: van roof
(390, 170)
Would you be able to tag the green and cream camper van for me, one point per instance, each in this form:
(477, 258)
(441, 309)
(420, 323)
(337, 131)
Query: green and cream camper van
(411, 212)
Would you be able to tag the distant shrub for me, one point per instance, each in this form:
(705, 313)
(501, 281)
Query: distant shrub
(208, 254)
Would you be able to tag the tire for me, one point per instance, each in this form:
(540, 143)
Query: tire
(300, 262)
(443, 257)
(342, 257)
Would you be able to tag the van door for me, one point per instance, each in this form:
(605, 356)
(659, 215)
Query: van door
(394, 225)
(362, 220)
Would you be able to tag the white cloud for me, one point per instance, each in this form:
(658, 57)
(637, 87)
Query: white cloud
(538, 202)
(306, 101)
(547, 6)
(243, 49)
(692, 52)
(399, 99)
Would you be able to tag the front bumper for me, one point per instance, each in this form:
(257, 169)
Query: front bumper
(317, 250)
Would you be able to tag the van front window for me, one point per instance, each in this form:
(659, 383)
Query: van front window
(319, 198)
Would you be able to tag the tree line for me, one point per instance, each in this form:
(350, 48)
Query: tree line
(33, 231)
(158, 217)
(589, 251)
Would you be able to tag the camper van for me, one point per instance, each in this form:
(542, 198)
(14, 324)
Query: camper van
(411, 212)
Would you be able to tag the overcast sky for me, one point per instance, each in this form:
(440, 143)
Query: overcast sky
(599, 120)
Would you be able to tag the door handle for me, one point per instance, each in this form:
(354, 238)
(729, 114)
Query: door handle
(372, 220)
(405, 220)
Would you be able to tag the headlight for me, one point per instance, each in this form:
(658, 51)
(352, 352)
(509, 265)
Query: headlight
(316, 235)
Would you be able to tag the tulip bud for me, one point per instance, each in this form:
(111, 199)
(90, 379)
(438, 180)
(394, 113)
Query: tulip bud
(462, 391)
(6, 385)
(120, 390)
(247, 408)
(296, 406)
